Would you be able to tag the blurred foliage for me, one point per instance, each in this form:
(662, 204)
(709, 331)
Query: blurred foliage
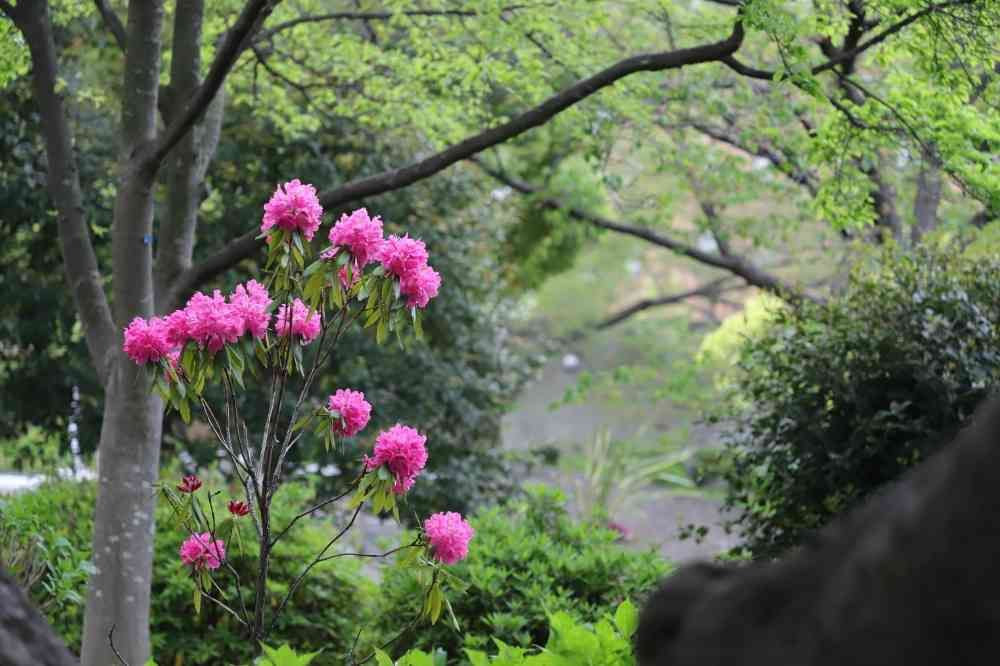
(527, 561)
(324, 613)
(835, 400)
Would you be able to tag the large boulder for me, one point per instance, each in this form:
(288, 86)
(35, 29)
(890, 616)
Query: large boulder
(912, 577)
(25, 638)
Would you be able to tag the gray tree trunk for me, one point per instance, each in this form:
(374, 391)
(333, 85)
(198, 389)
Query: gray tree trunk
(119, 592)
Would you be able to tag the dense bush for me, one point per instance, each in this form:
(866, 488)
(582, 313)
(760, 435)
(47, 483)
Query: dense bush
(530, 560)
(840, 398)
(324, 613)
(607, 642)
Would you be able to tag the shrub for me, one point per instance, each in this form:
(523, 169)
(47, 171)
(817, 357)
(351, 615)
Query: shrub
(607, 642)
(530, 561)
(845, 396)
(323, 615)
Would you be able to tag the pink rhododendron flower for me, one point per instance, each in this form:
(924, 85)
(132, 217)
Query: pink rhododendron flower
(401, 449)
(238, 508)
(199, 552)
(305, 323)
(212, 322)
(146, 341)
(177, 329)
(189, 484)
(420, 286)
(449, 535)
(354, 412)
(249, 303)
(402, 256)
(360, 234)
(293, 206)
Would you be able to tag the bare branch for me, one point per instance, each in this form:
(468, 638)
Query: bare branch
(844, 56)
(112, 21)
(83, 275)
(395, 179)
(712, 288)
(382, 16)
(253, 15)
(778, 160)
(734, 264)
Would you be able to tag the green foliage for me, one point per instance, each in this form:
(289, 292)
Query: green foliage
(284, 656)
(843, 397)
(606, 642)
(35, 450)
(322, 615)
(50, 556)
(528, 560)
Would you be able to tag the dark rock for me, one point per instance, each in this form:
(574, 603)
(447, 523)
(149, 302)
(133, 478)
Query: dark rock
(910, 578)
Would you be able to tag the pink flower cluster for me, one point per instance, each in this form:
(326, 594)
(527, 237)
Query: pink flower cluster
(146, 340)
(401, 450)
(300, 321)
(402, 257)
(353, 409)
(199, 552)
(359, 234)
(293, 206)
(406, 258)
(209, 321)
(449, 536)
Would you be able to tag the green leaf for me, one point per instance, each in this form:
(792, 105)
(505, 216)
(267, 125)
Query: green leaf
(626, 618)
(382, 659)
(189, 360)
(197, 600)
(185, 410)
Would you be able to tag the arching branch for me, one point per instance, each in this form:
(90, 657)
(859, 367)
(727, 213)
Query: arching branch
(717, 286)
(734, 264)
(395, 179)
(253, 15)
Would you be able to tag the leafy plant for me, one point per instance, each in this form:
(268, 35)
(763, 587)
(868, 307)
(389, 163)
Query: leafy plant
(614, 472)
(607, 642)
(531, 561)
(835, 400)
(324, 615)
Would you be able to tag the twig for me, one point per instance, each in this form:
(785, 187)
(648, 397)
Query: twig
(111, 642)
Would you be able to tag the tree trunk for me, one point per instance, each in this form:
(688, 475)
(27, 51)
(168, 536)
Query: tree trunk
(119, 593)
(25, 638)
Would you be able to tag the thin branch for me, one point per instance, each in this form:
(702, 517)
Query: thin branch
(111, 642)
(716, 286)
(253, 15)
(752, 72)
(112, 21)
(394, 179)
(779, 161)
(734, 264)
(382, 16)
